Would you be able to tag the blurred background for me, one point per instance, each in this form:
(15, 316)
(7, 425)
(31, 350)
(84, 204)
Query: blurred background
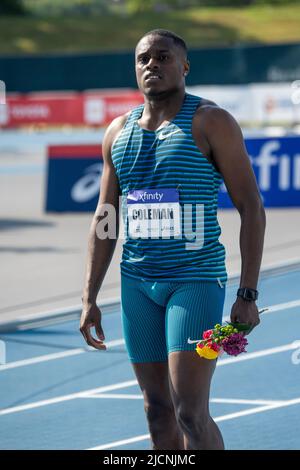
(67, 67)
(68, 70)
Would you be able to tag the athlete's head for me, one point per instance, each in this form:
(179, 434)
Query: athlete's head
(161, 63)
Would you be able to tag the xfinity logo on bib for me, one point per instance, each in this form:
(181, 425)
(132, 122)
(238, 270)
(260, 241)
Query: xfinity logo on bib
(150, 196)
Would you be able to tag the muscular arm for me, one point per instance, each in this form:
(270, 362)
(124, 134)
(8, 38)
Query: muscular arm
(100, 249)
(228, 151)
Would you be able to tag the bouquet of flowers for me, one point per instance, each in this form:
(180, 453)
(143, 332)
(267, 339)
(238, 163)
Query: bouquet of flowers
(229, 338)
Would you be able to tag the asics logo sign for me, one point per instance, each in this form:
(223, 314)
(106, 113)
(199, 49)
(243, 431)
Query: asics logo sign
(87, 187)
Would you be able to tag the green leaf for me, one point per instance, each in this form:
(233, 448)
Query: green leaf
(240, 326)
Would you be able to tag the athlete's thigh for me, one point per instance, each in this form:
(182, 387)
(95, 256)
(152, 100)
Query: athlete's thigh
(144, 331)
(153, 379)
(189, 381)
(192, 308)
(143, 323)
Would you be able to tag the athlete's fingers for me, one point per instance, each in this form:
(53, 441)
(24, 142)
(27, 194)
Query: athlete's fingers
(94, 342)
(99, 330)
(91, 341)
(234, 317)
(252, 325)
(83, 334)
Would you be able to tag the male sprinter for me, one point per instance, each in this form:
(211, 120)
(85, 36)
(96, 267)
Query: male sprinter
(167, 159)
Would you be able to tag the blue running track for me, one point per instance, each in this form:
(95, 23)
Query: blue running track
(57, 394)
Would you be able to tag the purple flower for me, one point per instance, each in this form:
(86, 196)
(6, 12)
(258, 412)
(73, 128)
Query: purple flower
(234, 344)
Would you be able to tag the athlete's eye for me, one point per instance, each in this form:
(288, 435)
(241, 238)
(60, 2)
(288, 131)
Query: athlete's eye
(162, 57)
(144, 59)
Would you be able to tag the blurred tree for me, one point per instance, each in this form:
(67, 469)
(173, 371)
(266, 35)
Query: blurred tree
(236, 3)
(67, 7)
(161, 5)
(12, 7)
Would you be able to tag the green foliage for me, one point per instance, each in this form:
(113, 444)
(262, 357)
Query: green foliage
(245, 3)
(92, 7)
(69, 7)
(165, 5)
(200, 27)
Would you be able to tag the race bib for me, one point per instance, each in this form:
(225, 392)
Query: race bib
(153, 213)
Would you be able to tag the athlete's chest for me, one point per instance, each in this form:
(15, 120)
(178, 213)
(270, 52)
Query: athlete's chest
(165, 146)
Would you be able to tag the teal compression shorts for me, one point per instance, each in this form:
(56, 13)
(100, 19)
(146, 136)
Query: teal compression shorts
(159, 317)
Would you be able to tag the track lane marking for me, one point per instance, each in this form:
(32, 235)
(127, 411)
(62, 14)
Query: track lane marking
(227, 417)
(62, 398)
(117, 342)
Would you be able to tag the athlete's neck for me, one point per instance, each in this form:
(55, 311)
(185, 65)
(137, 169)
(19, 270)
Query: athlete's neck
(159, 109)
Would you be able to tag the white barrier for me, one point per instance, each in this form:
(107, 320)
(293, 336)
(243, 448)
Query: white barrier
(257, 104)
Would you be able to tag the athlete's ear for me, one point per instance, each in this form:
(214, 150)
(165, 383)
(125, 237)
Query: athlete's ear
(186, 68)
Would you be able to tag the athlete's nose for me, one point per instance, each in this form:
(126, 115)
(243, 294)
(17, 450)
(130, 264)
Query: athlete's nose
(152, 64)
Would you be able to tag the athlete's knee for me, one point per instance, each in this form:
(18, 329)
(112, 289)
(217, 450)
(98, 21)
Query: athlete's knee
(158, 413)
(192, 421)
(164, 430)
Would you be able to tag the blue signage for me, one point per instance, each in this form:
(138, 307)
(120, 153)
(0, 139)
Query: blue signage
(73, 178)
(276, 164)
(74, 175)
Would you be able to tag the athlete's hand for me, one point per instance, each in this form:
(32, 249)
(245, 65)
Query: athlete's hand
(244, 311)
(91, 317)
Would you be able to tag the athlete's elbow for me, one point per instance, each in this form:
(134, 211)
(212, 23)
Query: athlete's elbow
(253, 206)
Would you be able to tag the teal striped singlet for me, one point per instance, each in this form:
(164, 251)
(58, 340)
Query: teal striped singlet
(147, 159)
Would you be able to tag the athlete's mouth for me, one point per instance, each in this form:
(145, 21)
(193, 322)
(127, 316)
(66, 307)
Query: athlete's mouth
(153, 76)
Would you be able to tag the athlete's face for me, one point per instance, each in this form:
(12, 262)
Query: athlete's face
(161, 65)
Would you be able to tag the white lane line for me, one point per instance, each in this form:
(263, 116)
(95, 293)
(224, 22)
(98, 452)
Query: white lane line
(283, 306)
(59, 355)
(240, 401)
(227, 417)
(143, 437)
(235, 401)
(258, 409)
(125, 396)
(249, 356)
(261, 353)
(118, 342)
(63, 398)
(275, 308)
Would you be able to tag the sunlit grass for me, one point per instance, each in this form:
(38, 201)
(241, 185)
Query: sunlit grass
(199, 26)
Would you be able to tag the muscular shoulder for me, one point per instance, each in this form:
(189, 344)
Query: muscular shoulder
(214, 128)
(115, 127)
(212, 119)
(112, 133)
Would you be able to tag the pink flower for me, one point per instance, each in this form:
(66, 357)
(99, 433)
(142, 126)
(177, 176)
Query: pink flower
(207, 334)
(215, 347)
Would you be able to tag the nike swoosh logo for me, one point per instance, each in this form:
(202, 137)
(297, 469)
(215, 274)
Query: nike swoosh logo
(163, 136)
(192, 341)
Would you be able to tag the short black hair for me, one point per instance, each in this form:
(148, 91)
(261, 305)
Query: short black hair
(178, 41)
